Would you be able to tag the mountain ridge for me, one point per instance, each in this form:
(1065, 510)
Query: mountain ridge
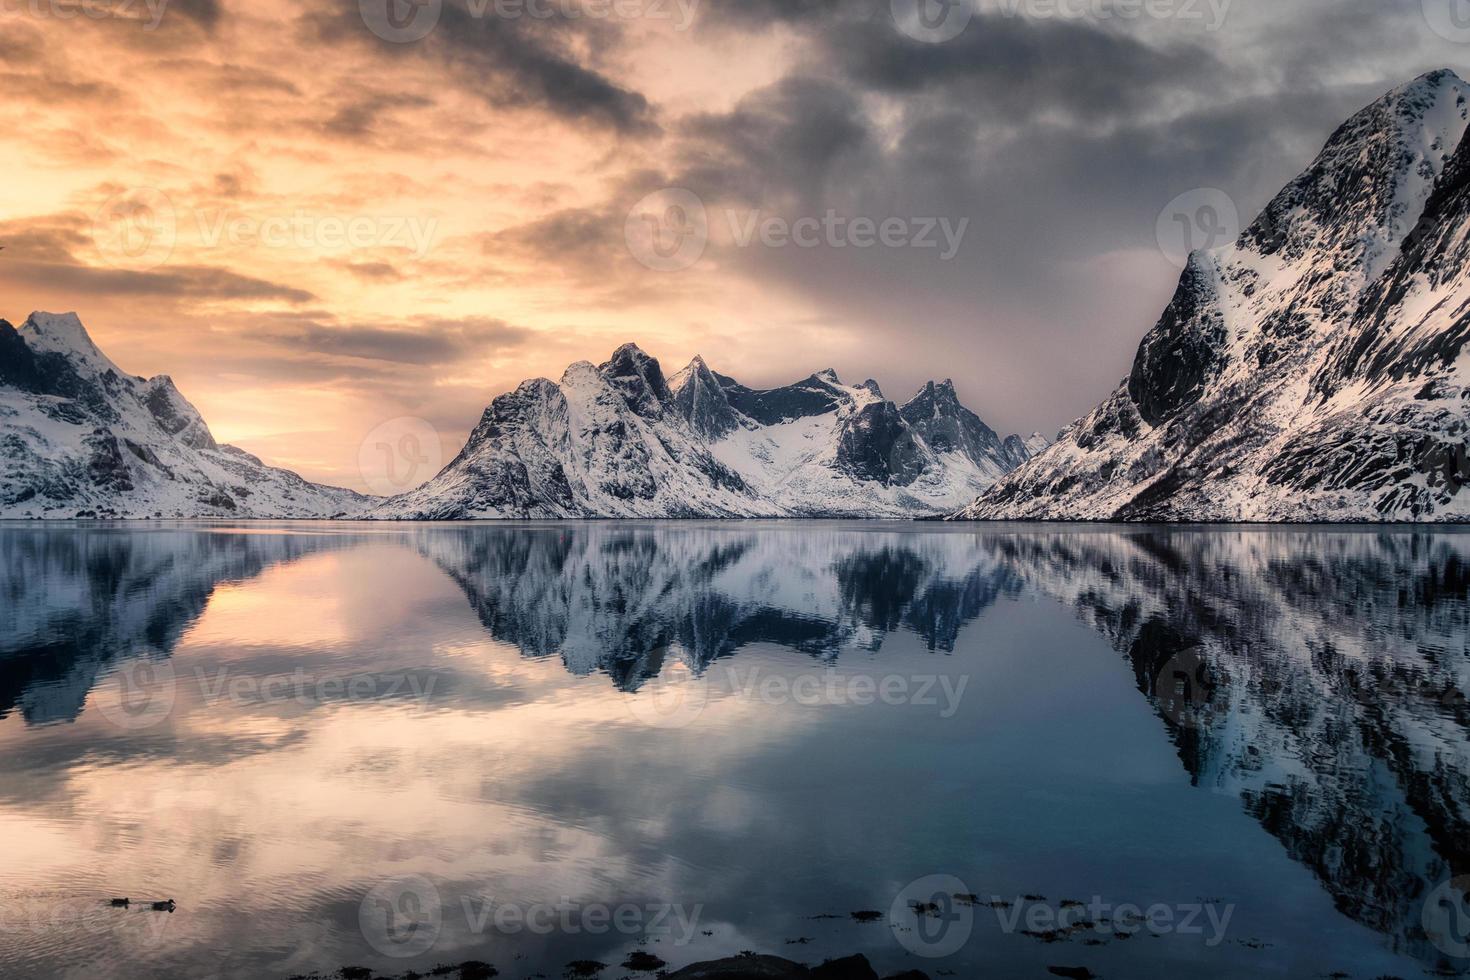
(81, 438)
(1313, 370)
(623, 440)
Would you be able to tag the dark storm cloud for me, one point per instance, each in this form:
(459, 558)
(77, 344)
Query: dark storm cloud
(360, 117)
(515, 62)
(1060, 139)
(205, 13)
(50, 254)
(427, 342)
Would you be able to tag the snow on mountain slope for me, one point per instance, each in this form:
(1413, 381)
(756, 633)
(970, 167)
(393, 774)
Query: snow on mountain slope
(621, 441)
(626, 599)
(80, 438)
(1313, 370)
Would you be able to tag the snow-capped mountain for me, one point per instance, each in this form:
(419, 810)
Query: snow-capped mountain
(1313, 370)
(80, 438)
(621, 440)
(625, 599)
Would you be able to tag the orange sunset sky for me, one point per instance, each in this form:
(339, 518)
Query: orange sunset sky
(314, 229)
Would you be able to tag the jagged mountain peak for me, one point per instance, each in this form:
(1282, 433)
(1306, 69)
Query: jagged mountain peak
(1367, 187)
(700, 398)
(79, 438)
(1314, 371)
(639, 378)
(63, 333)
(623, 442)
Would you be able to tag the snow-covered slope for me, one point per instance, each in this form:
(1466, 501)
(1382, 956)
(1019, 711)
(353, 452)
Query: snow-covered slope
(626, 599)
(1313, 370)
(80, 438)
(620, 440)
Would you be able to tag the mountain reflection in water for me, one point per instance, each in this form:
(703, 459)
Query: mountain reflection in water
(1318, 676)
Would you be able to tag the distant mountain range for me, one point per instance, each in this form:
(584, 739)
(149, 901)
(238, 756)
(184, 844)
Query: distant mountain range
(80, 438)
(620, 440)
(1314, 370)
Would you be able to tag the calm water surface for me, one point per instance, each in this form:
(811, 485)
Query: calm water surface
(1201, 752)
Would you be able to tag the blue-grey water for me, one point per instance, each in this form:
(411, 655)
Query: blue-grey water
(1148, 752)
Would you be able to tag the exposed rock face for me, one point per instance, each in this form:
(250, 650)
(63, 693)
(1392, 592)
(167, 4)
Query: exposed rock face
(1313, 370)
(80, 438)
(618, 440)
